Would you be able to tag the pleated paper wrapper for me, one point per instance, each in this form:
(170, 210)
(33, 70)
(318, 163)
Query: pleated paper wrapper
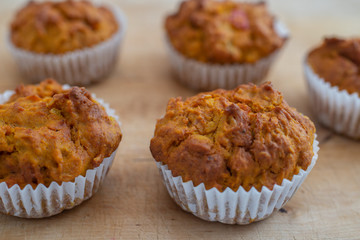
(47, 201)
(240, 207)
(79, 67)
(205, 76)
(336, 109)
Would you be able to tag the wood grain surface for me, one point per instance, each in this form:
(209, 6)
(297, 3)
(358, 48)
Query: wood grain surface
(134, 204)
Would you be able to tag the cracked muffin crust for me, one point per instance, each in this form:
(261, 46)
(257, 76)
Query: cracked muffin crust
(50, 134)
(60, 27)
(224, 32)
(247, 137)
(337, 61)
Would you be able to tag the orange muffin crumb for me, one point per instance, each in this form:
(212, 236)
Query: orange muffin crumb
(60, 27)
(50, 134)
(247, 137)
(337, 61)
(223, 32)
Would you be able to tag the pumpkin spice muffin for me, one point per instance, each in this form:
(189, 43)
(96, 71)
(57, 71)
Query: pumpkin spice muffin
(60, 29)
(53, 135)
(224, 33)
(332, 71)
(337, 61)
(248, 138)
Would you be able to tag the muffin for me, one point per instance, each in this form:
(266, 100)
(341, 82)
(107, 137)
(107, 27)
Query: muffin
(216, 44)
(75, 42)
(332, 72)
(233, 156)
(56, 146)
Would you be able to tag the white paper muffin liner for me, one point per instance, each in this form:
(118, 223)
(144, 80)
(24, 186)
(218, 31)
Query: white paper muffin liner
(79, 67)
(47, 201)
(240, 207)
(336, 109)
(205, 76)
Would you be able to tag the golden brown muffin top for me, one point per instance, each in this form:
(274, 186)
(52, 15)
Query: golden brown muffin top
(337, 61)
(50, 134)
(223, 31)
(60, 27)
(247, 137)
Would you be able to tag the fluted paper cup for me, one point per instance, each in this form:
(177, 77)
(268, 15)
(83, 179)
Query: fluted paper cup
(240, 207)
(334, 108)
(47, 201)
(79, 67)
(206, 76)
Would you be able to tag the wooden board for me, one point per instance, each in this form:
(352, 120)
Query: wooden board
(134, 204)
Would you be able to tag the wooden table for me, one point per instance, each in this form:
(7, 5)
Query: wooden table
(133, 203)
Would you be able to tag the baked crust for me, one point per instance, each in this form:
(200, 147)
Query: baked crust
(60, 27)
(247, 137)
(49, 134)
(337, 61)
(223, 32)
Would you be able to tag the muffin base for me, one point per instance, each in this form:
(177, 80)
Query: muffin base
(80, 67)
(48, 201)
(206, 77)
(240, 207)
(335, 109)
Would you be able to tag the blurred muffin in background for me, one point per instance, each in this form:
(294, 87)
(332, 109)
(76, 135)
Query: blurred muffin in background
(216, 44)
(75, 42)
(332, 71)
